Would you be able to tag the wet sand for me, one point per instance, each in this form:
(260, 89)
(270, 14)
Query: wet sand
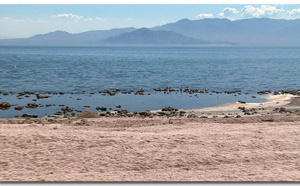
(214, 145)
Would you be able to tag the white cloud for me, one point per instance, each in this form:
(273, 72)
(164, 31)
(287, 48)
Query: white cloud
(8, 19)
(272, 10)
(263, 11)
(88, 19)
(228, 12)
(203, 16)
(69, 16)
(4, 19)
(295, 13)
(128, 19)
(100, 19)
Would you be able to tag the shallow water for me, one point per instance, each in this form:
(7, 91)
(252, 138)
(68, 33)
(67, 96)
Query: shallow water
(74, 69)
(130, 102)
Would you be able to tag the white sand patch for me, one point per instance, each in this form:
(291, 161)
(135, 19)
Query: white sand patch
(271, 101)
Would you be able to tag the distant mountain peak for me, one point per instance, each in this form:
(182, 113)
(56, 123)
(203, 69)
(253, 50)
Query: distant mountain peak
(145, 36)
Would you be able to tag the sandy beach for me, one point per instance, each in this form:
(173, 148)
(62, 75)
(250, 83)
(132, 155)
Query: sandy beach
(233, 142)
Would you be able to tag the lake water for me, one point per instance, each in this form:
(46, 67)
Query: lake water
(91, 69)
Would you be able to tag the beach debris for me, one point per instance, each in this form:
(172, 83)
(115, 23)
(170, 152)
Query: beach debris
(5, 105)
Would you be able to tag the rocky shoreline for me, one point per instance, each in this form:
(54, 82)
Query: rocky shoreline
(277, 105)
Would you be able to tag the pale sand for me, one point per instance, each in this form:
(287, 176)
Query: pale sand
(271, 101)
(256, 148)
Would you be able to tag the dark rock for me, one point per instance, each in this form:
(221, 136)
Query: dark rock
(145, 114)
(191, 116)
(264, 92)
(118, 106)
(169, 109)
(282, 109)
(243, 102)
(58, 113)
(19, 108)
(32, 105)
(5, 105)
(67, 109)
(29, 116)
(233, 92)
(101, 108)
(38, 96)
(28, 92)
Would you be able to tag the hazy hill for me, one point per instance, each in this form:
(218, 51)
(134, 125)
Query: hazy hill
(62, 38)
(261, 31)
(145, 36)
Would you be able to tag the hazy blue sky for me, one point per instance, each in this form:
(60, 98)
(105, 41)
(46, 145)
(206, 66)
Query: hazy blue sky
(28, 20)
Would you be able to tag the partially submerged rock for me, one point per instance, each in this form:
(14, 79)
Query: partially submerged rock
(5, 105)
(32, 105)
(19, 108)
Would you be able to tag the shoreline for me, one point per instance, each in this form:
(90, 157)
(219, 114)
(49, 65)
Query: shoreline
(274, 105)
(214, 146)
(60, 104)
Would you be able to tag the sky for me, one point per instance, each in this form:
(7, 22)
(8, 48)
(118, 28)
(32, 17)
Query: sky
(19, 21)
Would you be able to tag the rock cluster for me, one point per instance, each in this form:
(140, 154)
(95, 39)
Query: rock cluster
(32, 105)
(167, 112)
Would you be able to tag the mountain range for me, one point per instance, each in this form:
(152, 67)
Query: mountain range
(256, 32)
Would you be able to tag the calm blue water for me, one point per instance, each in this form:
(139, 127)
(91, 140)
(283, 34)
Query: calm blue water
(74, 69)
(91, 69)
